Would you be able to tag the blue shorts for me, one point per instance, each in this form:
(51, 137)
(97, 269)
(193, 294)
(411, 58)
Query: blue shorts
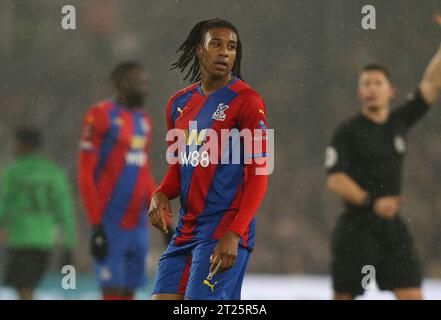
(125, 264)
(183, 271)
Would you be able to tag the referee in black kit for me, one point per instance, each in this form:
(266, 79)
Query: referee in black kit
(364, 163)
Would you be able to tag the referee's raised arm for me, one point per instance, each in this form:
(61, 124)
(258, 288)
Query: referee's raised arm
(430, 85)
(364, 162)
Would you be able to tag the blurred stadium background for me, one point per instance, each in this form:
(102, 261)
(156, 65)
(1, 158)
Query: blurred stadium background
(302, 56)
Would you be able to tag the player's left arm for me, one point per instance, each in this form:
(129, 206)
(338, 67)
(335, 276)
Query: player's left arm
(430, 85)
(252, 116)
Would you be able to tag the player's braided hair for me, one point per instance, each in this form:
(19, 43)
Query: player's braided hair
(195, 37)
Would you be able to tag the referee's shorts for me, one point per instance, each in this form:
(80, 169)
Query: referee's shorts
(362, 238)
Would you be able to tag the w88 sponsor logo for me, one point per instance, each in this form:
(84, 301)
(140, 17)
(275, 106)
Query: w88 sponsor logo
(195, 158)
(136, 158)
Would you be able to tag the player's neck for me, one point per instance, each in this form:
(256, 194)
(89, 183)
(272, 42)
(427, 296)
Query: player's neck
(127, 104)
(377, 115)
(25, 153)
(210, 84)
(133, 107)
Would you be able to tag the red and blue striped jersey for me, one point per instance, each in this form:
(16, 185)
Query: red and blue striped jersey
(211, 195)
(114, 167)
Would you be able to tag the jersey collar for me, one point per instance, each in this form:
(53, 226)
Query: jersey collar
(199, 88)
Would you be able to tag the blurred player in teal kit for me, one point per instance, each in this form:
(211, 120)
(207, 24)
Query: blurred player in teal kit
(209, 252)
(35, 198)
(116, 183)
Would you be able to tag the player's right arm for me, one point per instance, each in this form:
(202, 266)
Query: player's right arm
(168, 190)
(94, 127)
(338, 160)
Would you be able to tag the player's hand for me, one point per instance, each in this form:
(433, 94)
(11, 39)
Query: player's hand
(159, 206)
(225, 251)
(387, 207)
(168, 236)
(98, 243)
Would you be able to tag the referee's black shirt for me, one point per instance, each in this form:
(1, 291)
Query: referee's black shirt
(372, 154)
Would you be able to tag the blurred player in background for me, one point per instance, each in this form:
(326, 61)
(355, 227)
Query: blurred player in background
(35, 198)
(116, 182)
(215, 233)
(364, 162)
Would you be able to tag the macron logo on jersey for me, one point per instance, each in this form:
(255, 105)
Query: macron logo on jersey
(219, 114)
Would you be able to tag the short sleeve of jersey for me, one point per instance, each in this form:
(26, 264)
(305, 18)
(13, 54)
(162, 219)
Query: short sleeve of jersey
(95, 124)
(338, 153)
(411, 111)
(252, 116)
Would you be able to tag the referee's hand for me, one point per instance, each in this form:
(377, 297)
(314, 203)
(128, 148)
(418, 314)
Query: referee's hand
(159, 206)
(387, 207)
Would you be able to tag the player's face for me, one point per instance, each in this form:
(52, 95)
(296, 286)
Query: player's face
(135, 87)
(218, 52)
(374, 89)
(21, 149)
